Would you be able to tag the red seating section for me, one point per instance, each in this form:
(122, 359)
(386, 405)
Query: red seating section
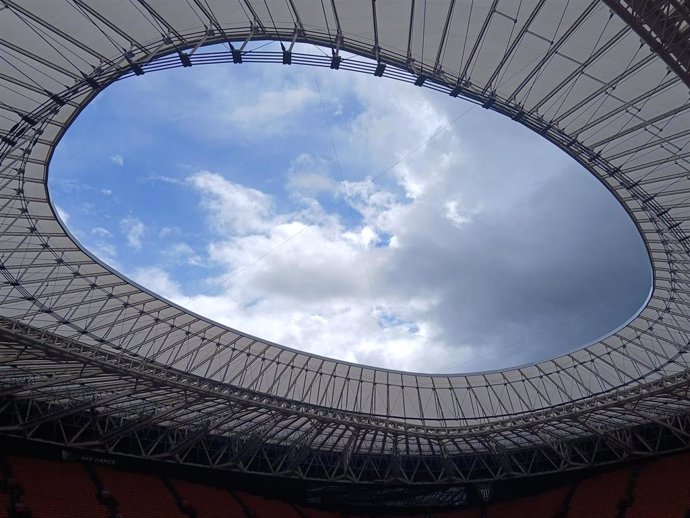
(139, 496)
(663, 489)
(599, 496)
(265, 508)
(209, 502)
(56, 489)
(544, 505)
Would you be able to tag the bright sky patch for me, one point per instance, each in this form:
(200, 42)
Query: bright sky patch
(350, 216)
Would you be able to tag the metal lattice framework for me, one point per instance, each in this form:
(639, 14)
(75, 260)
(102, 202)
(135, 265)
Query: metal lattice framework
(89, 359)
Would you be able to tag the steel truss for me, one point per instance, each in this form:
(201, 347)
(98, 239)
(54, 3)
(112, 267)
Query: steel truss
(89, 359)
(82, 397)
(664, 26)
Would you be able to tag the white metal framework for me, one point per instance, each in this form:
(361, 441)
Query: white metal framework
(89, 359)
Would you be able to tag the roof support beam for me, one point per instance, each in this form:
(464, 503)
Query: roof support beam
(648, 21)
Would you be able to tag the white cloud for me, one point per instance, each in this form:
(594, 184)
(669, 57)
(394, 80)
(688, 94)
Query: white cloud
(158, 281)
(180, 249)
(269, 107)
(106, 252)
(341, 329)
(118, 160)
(220, 105)
(168, 231)
(230, 206)
(164, 179)
(62, 214)
(309, 176)
(101, 232)
(453, 213)
(183, 253)
(293, 280)
(133, 229)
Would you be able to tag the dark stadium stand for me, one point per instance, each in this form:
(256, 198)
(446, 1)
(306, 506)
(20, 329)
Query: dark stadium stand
(59, 489)
(467, 513)
(470, 513)
(8, 485)
(308, 512)
(56, 490)
(600, 496)
(208, 502)
(663, 489)
(4, 504)
(268, 508)
(138, 495)
(544, 505)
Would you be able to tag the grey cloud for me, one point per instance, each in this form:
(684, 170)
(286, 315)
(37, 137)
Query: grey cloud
(558, 268)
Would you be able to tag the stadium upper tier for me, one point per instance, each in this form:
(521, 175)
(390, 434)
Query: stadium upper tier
(607, 82)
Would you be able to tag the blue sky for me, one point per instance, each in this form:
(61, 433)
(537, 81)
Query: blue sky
(297, 204)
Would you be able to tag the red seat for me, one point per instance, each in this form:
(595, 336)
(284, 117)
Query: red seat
(599, 496)
(208, 501)
(139, 495)
(268, 508)
(543, 505)
(54, 489)
(663, 489)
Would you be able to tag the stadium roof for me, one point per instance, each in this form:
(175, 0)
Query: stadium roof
(609, 86)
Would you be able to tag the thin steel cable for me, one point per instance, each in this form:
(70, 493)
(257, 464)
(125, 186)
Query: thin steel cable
(605, 97)
(31, 79)
(350, 210)
(44, 37)
(565, 94)
(464, 43)
(86, 15)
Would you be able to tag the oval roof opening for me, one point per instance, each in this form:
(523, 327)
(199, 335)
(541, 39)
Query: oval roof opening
(349, 216)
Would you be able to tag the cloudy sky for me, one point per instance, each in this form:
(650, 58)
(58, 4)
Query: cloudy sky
(351, 216)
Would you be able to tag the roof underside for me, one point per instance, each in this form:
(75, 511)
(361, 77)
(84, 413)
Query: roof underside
(79, 336)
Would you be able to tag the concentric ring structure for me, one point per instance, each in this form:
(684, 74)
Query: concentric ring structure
(89, 360)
